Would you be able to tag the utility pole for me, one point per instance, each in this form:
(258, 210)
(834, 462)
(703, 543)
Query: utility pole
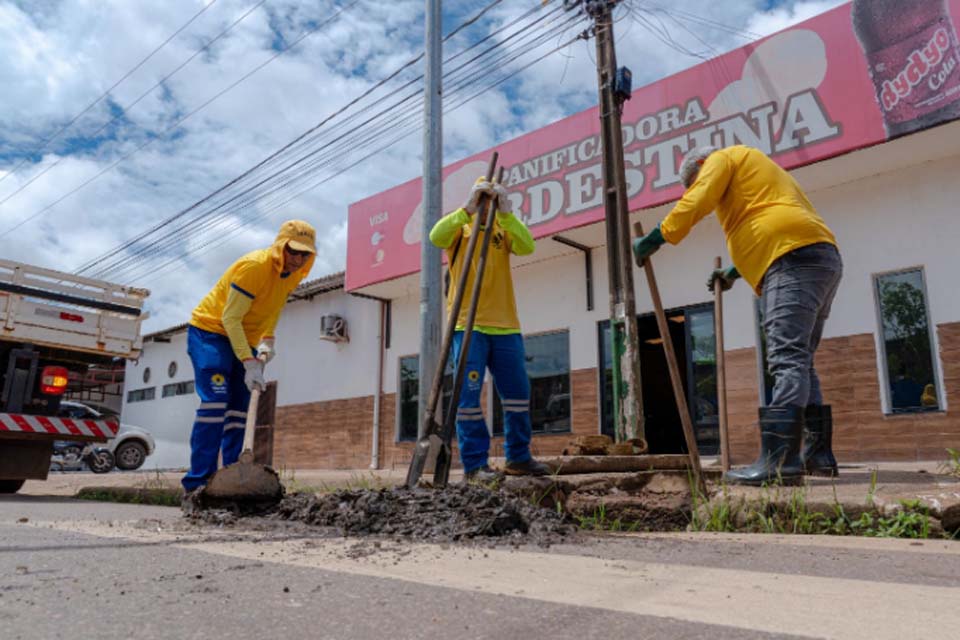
(614, 87)
(430, 265)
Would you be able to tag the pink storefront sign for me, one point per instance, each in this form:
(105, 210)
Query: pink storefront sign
(849, 78)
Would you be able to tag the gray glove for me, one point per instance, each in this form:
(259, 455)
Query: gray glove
(472, 205)
(725, 277)
(503, 199)
(253, 375)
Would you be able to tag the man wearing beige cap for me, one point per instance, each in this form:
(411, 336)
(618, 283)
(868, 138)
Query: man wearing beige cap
(240, 311)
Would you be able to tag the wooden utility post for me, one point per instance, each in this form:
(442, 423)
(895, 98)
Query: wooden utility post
(721, 372)
(627, 396)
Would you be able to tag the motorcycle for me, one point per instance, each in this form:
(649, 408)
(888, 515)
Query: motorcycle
(72, 456)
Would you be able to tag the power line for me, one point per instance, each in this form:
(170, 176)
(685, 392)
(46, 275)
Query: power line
(275, 193)
(123, 110)
(180, 120)
(346, 142)
(174, 236)
(73, 120)
(165, 268)
(698, 19)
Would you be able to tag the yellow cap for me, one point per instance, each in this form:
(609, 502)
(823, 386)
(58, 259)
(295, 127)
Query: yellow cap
(298, 235)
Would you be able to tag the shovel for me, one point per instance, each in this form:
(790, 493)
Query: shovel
(435, 443)
(245, 481)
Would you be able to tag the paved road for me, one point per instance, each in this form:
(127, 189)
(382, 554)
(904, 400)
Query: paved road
(77, 569)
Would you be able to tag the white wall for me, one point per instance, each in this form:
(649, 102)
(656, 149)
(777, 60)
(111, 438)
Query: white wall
(309, 369)
(887, 221)
(168, 419)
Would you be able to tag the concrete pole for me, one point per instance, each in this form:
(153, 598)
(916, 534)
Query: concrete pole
(430, 265)
(628, 400)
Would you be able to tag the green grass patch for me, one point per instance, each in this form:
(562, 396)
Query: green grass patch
(599, 521)
(951, 466)
(161, 497)
(778, 510)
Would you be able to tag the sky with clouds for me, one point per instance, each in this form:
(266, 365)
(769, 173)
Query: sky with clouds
(157, 144)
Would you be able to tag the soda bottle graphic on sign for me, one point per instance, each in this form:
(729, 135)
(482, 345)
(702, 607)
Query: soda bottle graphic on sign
(914, 60)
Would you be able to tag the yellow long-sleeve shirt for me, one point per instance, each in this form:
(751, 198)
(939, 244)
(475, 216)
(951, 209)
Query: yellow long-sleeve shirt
(246, 302)
(762, 210)
(497, 307)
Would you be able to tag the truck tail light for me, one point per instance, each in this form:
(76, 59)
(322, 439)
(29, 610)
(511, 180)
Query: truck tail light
(53, 380)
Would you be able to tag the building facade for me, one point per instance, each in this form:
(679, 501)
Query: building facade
(888, 361)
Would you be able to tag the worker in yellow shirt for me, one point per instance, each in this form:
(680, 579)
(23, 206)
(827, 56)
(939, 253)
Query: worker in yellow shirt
(496, 341)
(786, 253)
(240, 311)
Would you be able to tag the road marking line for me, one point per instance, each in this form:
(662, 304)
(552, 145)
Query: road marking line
(778, 603)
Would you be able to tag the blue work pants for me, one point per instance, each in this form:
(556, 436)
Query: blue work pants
(222, 414)
(504, 355)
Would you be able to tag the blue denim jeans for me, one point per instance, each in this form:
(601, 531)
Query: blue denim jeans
(797, 292)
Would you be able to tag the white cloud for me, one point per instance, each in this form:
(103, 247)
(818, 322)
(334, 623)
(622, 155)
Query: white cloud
(60, 56)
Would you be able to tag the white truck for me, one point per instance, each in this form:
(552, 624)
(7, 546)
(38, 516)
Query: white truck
(54, 327)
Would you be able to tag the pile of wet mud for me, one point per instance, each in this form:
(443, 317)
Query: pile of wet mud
(455, 513)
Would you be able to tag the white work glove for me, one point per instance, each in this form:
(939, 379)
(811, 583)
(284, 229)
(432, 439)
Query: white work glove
(472, 205)
(254, 374)
(503, 199)
(266, 350)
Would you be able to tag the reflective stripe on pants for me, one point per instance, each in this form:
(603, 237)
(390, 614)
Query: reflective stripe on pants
(218, 378)
(504, 356)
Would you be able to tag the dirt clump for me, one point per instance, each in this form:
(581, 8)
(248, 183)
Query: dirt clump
(455, 513)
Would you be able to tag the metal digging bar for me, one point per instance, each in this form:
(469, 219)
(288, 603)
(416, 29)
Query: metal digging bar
(441, 470)
(430, 444)
(685, 422)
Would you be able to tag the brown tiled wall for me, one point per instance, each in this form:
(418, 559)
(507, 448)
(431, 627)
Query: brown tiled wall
(337, 434)
(851, 384)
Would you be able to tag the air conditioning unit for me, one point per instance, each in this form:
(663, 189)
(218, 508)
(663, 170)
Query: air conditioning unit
(333, 328)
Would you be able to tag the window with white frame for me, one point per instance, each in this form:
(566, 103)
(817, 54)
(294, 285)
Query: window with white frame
(140, 395)
(548, 367)
(178, 389)
(408, 393)
(906, 341)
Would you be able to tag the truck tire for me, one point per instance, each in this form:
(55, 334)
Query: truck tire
(130, 455)
(10, 486)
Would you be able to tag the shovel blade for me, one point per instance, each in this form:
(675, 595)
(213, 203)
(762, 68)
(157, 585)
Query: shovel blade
(426, 450)
(246, 482)
(441, 469)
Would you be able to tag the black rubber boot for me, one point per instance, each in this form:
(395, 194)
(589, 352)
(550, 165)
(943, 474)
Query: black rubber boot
(817, 455)
(780, 431)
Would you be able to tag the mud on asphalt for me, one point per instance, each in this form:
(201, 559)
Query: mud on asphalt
(456, 513)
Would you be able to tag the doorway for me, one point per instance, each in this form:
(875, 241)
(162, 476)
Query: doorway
(694, 340)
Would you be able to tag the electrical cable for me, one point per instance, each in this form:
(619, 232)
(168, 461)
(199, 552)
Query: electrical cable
(282, 150)
(126, 108)
(354, 143)
(177, 262)
(103, 95)
(180, 230)
(412, 122)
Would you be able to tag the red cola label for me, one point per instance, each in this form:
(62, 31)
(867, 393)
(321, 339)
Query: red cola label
(917, 76)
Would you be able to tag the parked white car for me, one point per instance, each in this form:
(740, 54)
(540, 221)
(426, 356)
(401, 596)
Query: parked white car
(132, 444)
